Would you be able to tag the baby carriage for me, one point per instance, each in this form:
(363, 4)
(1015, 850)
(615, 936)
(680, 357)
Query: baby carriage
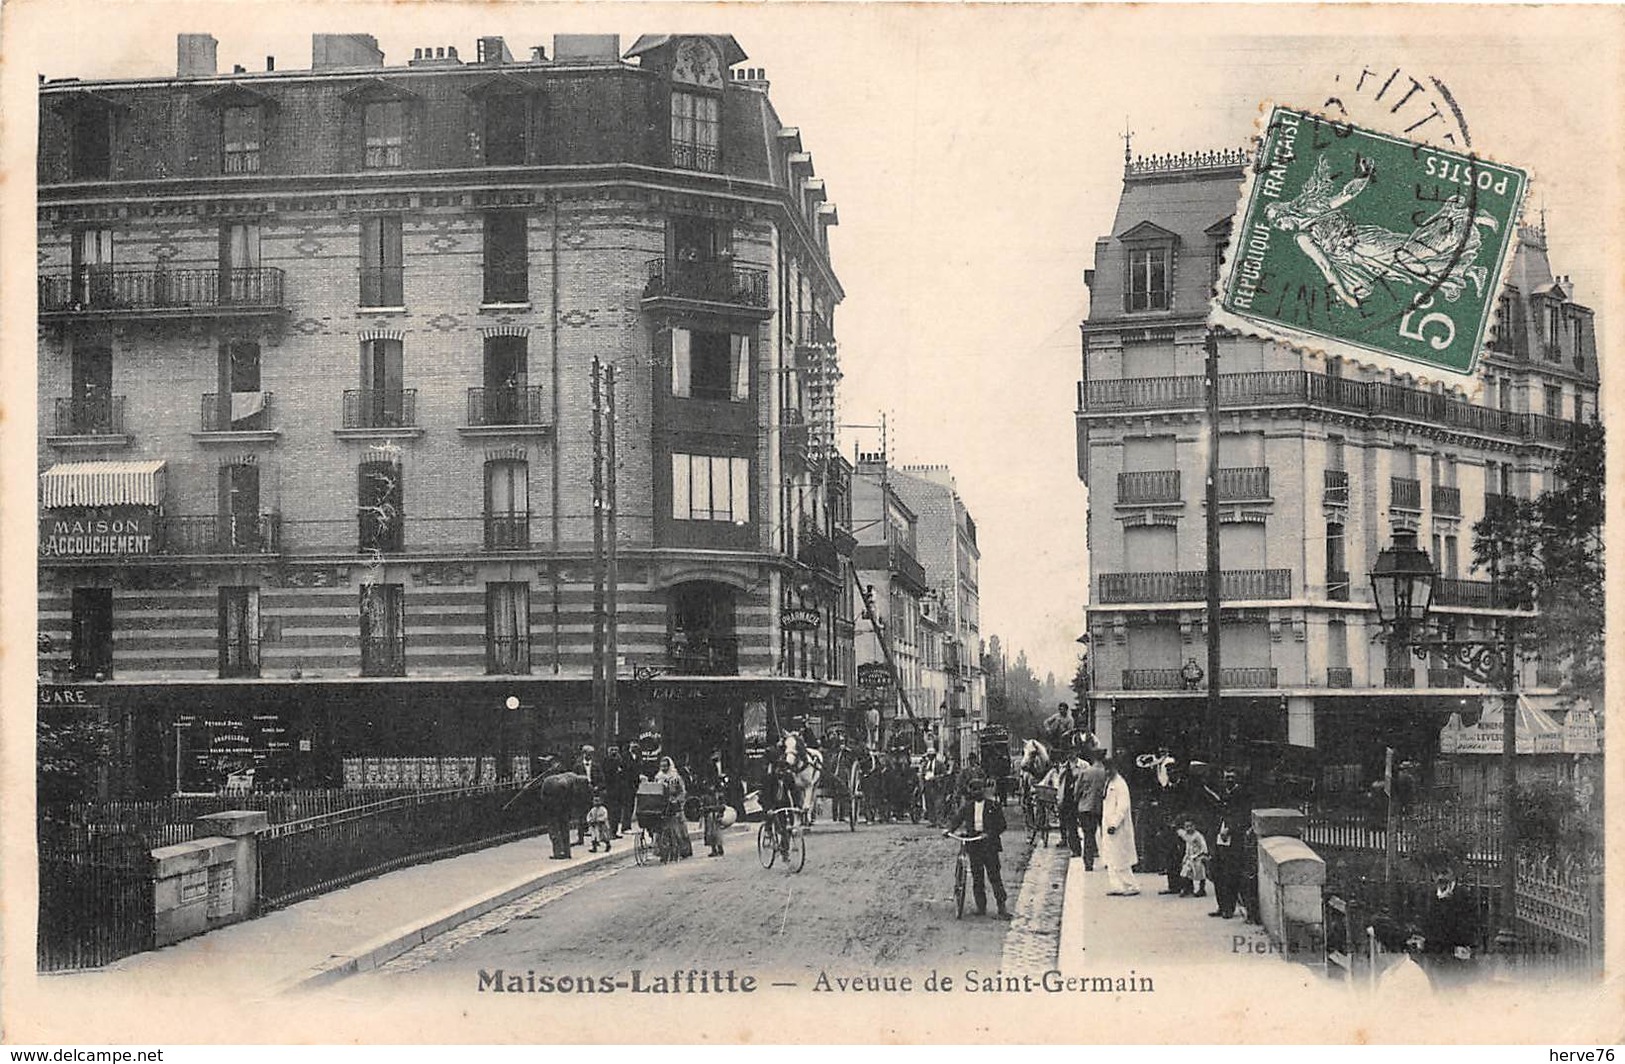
(654, 812)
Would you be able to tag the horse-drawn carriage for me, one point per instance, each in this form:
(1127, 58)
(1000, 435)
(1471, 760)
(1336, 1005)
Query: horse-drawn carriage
(848, 765)
(994, 746)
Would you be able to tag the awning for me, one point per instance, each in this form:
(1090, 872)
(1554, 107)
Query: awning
(1538, 733)
(103, 484)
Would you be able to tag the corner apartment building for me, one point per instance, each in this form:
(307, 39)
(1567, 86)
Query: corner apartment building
(886, 562)
(1320, 463)
(945, 535)
(315, 391)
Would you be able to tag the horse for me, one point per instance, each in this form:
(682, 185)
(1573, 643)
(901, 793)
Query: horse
(799, 768)
(1035, 765)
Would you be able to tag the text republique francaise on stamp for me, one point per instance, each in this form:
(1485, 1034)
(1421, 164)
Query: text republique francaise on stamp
(1367, 246)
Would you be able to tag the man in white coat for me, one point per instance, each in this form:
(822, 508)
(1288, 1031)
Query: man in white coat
(1117, 848)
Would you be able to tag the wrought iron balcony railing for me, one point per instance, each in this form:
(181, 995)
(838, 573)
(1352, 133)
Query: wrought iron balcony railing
(1399, 676)
(1405, 493)
(1339, 676)
(241, 412)
(818, 551)
(1336, 487)
(1191, 585)
(703, 653)
(133, 292)
(1476, 594)
(686, 156)
(1244, 484)
(370, 408)
(506, 406)
(1234, 678)
(710, 282)
(507, 531)
(220, 534)
(90, 417)
(1147, 486)
(1446, 500)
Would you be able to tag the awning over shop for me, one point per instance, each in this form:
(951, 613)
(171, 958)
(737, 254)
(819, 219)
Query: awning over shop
(1580, 730)
(103, 484)
(1538, 733)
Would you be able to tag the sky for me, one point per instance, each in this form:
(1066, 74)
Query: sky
(975, 153)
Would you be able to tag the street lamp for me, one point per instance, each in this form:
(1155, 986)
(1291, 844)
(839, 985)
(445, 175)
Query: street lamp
(1402, 583)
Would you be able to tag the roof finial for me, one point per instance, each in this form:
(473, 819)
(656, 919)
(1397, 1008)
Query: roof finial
(1128, 139)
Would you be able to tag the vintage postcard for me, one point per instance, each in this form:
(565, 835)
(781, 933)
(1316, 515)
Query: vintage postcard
(738, 523)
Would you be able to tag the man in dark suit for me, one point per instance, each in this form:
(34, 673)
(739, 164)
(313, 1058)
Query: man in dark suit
(1091, 796)
(983, 816)
(589, 767)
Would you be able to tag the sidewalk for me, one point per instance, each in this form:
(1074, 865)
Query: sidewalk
(353, 929)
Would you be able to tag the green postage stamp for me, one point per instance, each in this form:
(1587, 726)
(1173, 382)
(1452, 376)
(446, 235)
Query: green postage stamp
(1364, 245)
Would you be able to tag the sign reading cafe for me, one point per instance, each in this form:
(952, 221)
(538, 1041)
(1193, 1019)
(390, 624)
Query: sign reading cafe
(98, 532)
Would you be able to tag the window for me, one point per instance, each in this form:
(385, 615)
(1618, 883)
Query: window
(90, 150)
(701, 635)
(381, 271)
(506, 120)
(239, 611)
(1452, 557)
(93, 267)
(92, 632)
(1218, 263)
(385, 123)
(240, 280)
(1554, 400)
(506, 398)
(1337, 573)
(696, 128)
(507, 628)
(383, 630)
(710, 488)
(707, 365)
(91, 409)
(240, 140)
(507, 504)
(380, 506)
(507, 260)
(381, 402)
(1554, 327)
(239, 405)
(1147, 287)
(240, 527)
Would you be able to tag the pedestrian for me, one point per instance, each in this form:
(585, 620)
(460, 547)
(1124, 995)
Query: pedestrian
(1226, 869)
(598, 823)
(592, 770)
(629, 784)
(1166, 852)
(675, 843)
(1449, 931)
(1117, 847)
(969, 783)
(615, 790)
(1067, 771)
(983, 816)
(1091, 787)
(1193, 865)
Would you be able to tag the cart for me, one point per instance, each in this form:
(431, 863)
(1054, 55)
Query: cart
(994, 744)
(653, 811)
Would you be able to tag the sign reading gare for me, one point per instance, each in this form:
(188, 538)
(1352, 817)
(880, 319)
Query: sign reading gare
(98, 533)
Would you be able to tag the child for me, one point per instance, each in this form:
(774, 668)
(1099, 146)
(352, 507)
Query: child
(1194, 867)
(598, 821)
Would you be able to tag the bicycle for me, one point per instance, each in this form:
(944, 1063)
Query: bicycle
(781, 836)
(961, 869)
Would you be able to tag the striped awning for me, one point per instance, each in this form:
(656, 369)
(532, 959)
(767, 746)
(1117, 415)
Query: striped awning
(103, 484)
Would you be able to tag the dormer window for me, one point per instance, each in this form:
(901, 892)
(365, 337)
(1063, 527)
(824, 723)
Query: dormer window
(240, 139)
(90, 151)
(384, 122)
(696, 106)
(1148, 276)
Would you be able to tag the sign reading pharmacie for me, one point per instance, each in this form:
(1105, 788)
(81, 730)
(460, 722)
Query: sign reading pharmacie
(798, 619)
(109, 533)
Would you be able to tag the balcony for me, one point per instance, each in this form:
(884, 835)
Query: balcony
(1548, 675)
(1399, 676)
(244, 417)
(383, 656)
(685, 156)
(89, 422)
(1239, 678)
(814, 330)
(712, 285)
(1473, 594)
(1276, 388)
(507, 530)
(506, 412)
(1335, 489)
(220, 534)
(893, 559)
(818, 551)
(1439, 676)
(370, 412)
(161, 293)
(1244, 485)
(1337, 585)
(1148, 486)
(702, 653)
(507, 655)
(1405, 494)
(1446, 500)
(795, 439)
(1339, 676)
(1191, 586)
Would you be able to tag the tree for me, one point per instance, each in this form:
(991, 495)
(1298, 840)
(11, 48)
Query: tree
(1080, 681)
(1547, 554)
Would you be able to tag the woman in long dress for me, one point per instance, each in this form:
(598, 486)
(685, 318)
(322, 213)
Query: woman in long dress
(1117, 848)
(1440, 254)
(674, 842)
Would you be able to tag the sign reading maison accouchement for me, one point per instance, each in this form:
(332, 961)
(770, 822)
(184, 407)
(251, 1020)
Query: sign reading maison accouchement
(875, 674)
(100, 533)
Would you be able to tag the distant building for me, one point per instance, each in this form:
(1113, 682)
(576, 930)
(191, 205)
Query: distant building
(315, 407)
(1320, 462)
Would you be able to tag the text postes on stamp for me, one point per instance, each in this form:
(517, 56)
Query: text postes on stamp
(1368, 246)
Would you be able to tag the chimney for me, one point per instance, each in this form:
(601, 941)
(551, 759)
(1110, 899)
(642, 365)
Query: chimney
(435, 55)
(195, 55)
(330, 51)
(538, 54)
(586, 47)
(270, 62)
(752, 78)
(492, 51)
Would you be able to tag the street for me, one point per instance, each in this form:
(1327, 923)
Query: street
(878, 899)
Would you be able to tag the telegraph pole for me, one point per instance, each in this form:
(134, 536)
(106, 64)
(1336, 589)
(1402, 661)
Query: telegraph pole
(1213, 723)
(600, 721)
(612, 710)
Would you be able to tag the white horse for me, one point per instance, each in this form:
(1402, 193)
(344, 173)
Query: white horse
(800, 767)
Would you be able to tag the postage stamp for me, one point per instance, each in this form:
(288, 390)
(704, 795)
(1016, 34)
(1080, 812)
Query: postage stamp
(1361, 244)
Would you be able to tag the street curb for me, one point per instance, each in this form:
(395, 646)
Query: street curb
(392, 944)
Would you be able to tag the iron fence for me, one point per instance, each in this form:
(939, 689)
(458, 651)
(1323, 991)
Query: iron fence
(301, 858)
(95, 898)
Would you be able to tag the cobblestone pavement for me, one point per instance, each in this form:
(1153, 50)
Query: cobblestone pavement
(1033, 941)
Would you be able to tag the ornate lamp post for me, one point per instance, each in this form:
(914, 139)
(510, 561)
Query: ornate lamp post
(1402, 584)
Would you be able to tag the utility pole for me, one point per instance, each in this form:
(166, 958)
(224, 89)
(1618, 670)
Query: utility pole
(612, 709)
(600, 722)
(1213, 723)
